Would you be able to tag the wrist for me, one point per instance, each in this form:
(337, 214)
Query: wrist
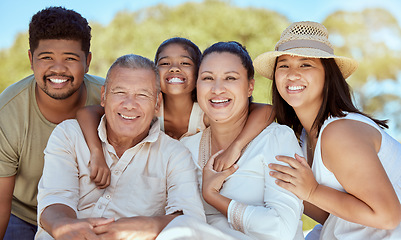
(209, 195)
(56, 227)
(237, 145)
(312, 194)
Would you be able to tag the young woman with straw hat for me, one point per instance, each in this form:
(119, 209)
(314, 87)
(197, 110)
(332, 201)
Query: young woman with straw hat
(353, 167)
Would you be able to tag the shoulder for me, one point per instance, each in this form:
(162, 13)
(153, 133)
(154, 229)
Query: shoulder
(346, 129)
(346, 139)
(69, 127)
(16, 92)
(277, 130)
(92, 79)
(277, 139)
(192, 142)
(169, 144)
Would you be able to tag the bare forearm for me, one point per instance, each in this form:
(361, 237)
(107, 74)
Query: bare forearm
(88, 119)
(5, 211)
(218, 201)
(6, 196)
(260, 117)
(163, 221)
(347, 207)
(53, 215)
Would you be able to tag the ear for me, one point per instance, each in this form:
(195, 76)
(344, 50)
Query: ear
(30, 58)
(251, 86)
(158, 103)
(88, 62)
(102, 95)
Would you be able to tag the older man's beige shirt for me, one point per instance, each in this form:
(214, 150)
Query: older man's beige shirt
(155, 177)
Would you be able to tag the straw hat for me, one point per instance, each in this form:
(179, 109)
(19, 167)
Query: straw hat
(305, 39)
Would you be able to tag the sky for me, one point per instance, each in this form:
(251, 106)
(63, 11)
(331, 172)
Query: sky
(16, 14)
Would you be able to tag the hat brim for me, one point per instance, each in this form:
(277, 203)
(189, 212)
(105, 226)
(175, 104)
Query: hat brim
(264, 63)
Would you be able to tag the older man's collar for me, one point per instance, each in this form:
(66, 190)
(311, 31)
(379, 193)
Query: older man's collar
(151, 137)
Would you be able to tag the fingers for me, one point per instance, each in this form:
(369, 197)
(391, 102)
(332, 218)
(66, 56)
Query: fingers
(230, 170)
(210, 162)
(302, 160)
(100, 221)
(218, 165)
(283, 177)
(289, 160)
(100, 229)
(94, 170)
(283, 169)
(101, 177)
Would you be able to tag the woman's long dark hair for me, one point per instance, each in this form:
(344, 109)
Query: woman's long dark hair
(337, 99)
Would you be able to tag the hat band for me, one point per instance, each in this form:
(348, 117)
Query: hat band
(303, 43)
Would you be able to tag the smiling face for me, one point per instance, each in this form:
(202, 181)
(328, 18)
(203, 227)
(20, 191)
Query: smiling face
(300, 81)
(59, 67)
(177, 70)
(223, 87)
(130, 103)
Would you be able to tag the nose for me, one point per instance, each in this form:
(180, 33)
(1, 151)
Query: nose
(130, 102)
(175, 68)
(293, 74)
(218, 87)
(58, 67)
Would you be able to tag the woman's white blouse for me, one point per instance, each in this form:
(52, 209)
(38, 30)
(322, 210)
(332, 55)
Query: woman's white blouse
(259, 209)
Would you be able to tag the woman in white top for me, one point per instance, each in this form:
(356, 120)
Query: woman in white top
(244, 200)
(355, 172)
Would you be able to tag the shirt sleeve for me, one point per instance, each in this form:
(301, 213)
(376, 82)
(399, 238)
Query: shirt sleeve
(8, 156)
(280, 215)
(182, 185)
(59, 183)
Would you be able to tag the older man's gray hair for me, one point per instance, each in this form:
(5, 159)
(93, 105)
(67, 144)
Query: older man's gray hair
(133, 61)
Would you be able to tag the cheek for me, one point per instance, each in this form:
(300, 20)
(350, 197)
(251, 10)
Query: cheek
(200, 90)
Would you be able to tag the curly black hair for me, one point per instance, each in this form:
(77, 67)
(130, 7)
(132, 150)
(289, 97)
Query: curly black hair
(59, 23)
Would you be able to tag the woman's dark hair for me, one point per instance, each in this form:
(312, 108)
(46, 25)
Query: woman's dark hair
(190, 47)
(337, 99)
(59, 23)
(235, 48)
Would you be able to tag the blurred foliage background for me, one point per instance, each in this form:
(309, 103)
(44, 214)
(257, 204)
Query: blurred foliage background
(372, 36)
(366, 36)
(362, 35)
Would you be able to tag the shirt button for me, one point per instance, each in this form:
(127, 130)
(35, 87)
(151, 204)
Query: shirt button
(116, 172)
(107, 196)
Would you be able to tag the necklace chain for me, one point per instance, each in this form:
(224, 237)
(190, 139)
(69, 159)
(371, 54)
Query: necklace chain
(205, 147)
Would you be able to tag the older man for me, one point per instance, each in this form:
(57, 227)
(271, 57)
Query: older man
(153, 177)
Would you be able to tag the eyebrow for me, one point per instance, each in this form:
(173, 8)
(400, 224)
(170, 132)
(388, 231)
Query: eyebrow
(65, 53)
(224, 73)
(126, 89)
(183, 56)
(232, 72)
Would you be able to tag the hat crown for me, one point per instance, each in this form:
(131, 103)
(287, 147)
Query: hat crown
(305, 31)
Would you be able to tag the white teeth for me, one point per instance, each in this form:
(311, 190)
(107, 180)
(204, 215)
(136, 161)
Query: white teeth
(219, 100)
(56, 80)
(175, 80)
(126, 117)
(294, 88)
